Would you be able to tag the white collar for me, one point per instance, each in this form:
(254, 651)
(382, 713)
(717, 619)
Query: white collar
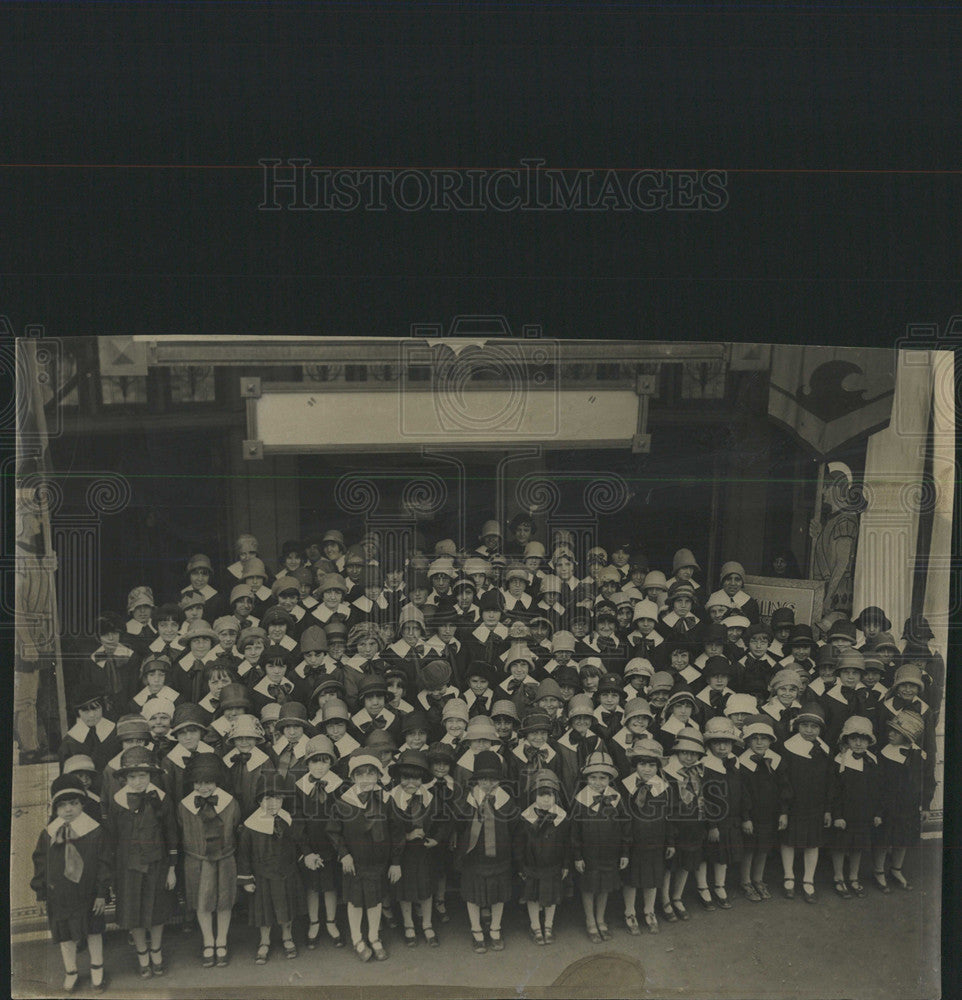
(352, 798)
(436, 642)
(775, 708)
(260, 822)
(120, 651)
(847, 759)
(656, 784)
(674, 769)
(800, 747)
(158, 645)
(558, 815)
(120, 796)
(177, 751)
(207, 703)
(586, 796)
(712, 763)
(298, 749)
(402, 798)
(476, 797)
(363, 716)
(103, 729)
(835, 693)
(470, 697)
(745, 760)
(898, 754)
(261, 687)
(330, 781)
(322, 612)
(258, 757)
(220, 798)
(482, 632)
(144, 695)
(518, 751)
(81, 826)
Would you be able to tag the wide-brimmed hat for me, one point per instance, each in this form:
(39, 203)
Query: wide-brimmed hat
(720, 728)
(245, 725)
(874, 614)
(857, 725)
(188, 714)
(132, 727)
(67, 786)
(689, 738)
(842, 629)
(411, 759)
(507, 708)
(599, 760)
(812, 712)
(319, 746)
(534, 721)
(910, 724)
(646, 748)
(481, 728)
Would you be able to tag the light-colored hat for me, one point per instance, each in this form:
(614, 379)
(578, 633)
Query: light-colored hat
(455, 708)
(655, 579)
(783, 678)
(646, 748)
(736, 621)
(444, 566)
(78, 762)
(545, 779)
(318, 746)
(490, 528)
(246, 542)
(639, 666)
(199, 561)
(732, 567)
(857, 725)
(519, 651)
(481, 728)
(637, 707)
(645, 609)
(410, 613)
(362, 758)
(533, 549)
(909, 673)
(517, 573)
(332, 581)
(249, 635)
(157, 706)
(910, 724)
(445, 547)
(271, 712)
(719, 599)
(333, 535)
(253, 567)
(283, 583)
(199, 629)
(720, 728)
(132, 727)
(226, 623)
(683, 558)
(138, 597)
(581, 704)
(741, 703)
(505, 706)
(475, 565)
(758, 726)
(191, 599)
(246, 725)
(563, 552)
(562, 640)
(597, 554)
(850, 659)
(335, 709)
(689, 738)
(597, 761)
(241, 590)
(550, 584)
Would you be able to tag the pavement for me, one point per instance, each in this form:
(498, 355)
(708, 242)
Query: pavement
(877, 948)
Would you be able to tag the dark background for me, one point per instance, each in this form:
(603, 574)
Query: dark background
(838, 126)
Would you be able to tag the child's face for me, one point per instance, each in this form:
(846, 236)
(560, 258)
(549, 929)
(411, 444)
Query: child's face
(91, 714)
(658, 699)
(193, 613)
(254, 582)
(142, 613)
(787, 693)
(620, 557)
(839, 643)
(336, 647)
(134, 741)
(394, 578)
(532, 563)
(440, 768)
(580, 723)
(446, 632)
(589, 683)
(480, 580)
(550, 705)
(167, 629)
(69, 809)
(624, 616)
(735, 632)
(567, 691)
(419, 595)
(388, 631)
(849, 676)
(490, 617)
(227, 637)
(272, 804)
(411, 632)
(109, 640)
(319, 766)
(455, 727)
(441, 583)
(685, 573)
(801, 652)
(276, 631)
(579, 628)
(606, 627)
(374, 703)
(395, 688)
(293, 561)
(478, 685)
(275, 671)
(243, 606)
(732, 584)
(156, 679)
(609, 700)
(858, 743)
(416, 738)
(366, 777)
(253, 650)
(313, 658)
(644, 625)
(491, 542)
(638, 724)
(782, 632)
(550, 597)
(483, 744)
(537, 737)
(716, 612)
(564, 568)
(335, 728)
(518, 669)
(826, 671)
(245, 743)
(544, 799)
(304, 588)
(332, 551)
(199, 578)
(739, 718)
(205, 788)
(562, 656)
(608, 587)
(200, 646)
(896, 738)
(681, 710)
(217, 682)
(597, 781)
(504, 725)
(332, 597)
(465, 599)
(646, 769)
(907, 691)
(871, 629)
(159, 724)
(682, 605)
(410, 781)
(758, 645)
(759, 743)
(86, 778)
(137, 781)
(871, 677)
(189, 736)
(368, 647)
(721, 748)
(487, 785)
(809, 730)
(688, 757)
(292, 733)
(718, 682)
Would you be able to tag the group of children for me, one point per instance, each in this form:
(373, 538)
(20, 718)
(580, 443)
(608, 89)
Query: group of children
(378, 737)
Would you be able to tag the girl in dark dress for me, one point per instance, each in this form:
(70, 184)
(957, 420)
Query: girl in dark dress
(808, 763)
(416, 813)
(722, 793)
(142, 827)
(542, 853)
(316, 793)
(71, 867)
(369, 843)
(687, 817)
(856, 805)
(647, 802)
(599, 841)
(267, 850)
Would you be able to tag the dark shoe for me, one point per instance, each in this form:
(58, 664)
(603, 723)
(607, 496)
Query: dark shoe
(668, 913)
(788, 888)
(857, 888)
(313, 933)
(762, 890)
(102, 985)
(477, 943)
(431, 937)
(70, 979)
(379, 953)
(841, 889)
(222, 960)
(721, 897)
(207, 956)
(750, 893)
(704, 897)
(336, 935)
(881, 883)
(808, 892)
(679, 907)
(157, 966)
(606, 934)
(497, 942)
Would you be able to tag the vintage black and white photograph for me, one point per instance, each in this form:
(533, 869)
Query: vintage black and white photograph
(594, 655)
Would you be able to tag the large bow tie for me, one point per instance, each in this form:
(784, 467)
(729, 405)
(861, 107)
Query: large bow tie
(687, 623)
(606, 642)
(418, 649)
(73, 865)
(206, 802)
(513, 686)
(761, 760)
(716, 698)
(544, 816)
(609, 717)
(137, 800)
(279, 692)
(241, 757)
(379, 723)
(602, 801)
(536, 754)
(847, 692)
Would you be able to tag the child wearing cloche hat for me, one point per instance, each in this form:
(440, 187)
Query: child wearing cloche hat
(92, 734)
(808, 765)
(245, 760)
(855, 802)
(71, 875)
(722, 782)
(689, 818)
(650, 834)
(267, 852)
(599, 841)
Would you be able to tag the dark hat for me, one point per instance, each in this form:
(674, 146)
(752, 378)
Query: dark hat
(801, 635)
(417, 580)
(533, 721)
(885, 640)
(165, 611)
(715, 632)
(248, 635)
(205, 767)
(303, 576)
(914, 651)
(812, 712)
(276, 616)
(757, 629)
(155, 661)
(276, 655)
(137, 759)
(330, 683)
(491, 600)
(605, 609)
(782, 617)
(444, 614)
(842, 629)
(335, 629)
(132, 727)
(415, 720)
(313, 640)
(188, 714)
(371, 684)
(67, 786)
(717, 666)
(87, 694)
(826, 656)
(291, 546)
(234, 695)
(917, 627)
(410, 760)
(464, 584)
(478, 668)
(109, 622)
(397, 672)
(567, 676)
(610, 682)
(273, 784)
(487, 764)
(434, 674)
(293, 713)
(441, 751)
(522, 518)
(377, 740)
(873, 614)
(286, 584)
